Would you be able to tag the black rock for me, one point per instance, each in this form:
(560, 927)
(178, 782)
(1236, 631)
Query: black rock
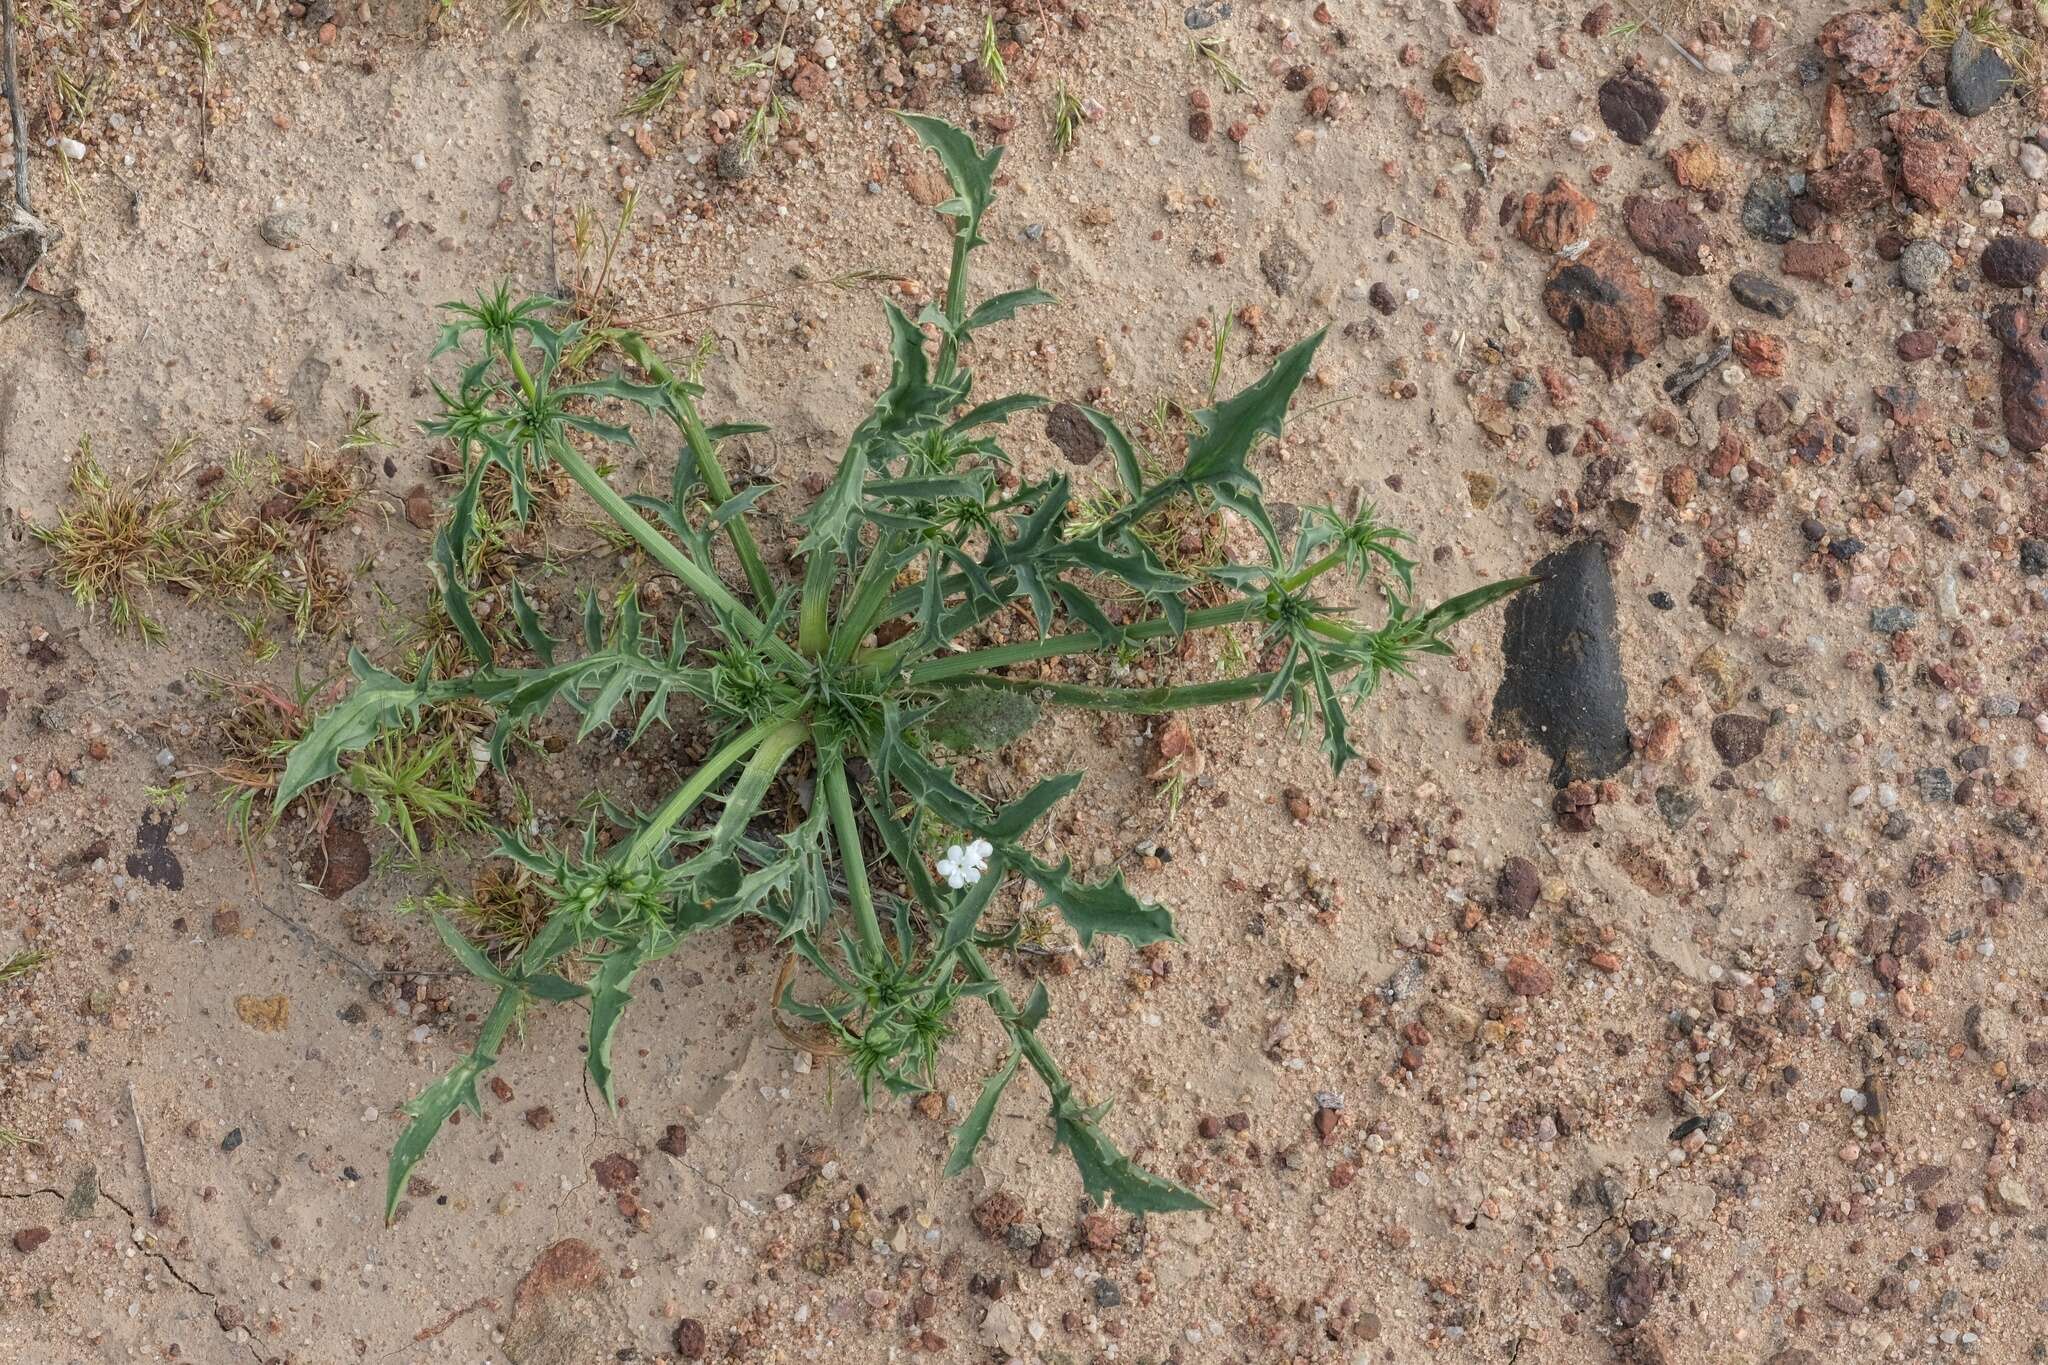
(1977, 75)
(1762, 294)
(152, 859)
(2034, 555)
(1662, 601)
(1563, 688)
(1767, 211)
(1679, 384)
(1630, 106)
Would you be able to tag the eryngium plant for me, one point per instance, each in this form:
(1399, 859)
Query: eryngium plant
(850, 678)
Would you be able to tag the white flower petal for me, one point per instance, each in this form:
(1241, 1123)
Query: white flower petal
(973, 875)
(980, 849)
(957, 853)
(955, 880)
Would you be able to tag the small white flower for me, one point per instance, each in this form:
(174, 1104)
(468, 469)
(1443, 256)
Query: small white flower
(963, 866)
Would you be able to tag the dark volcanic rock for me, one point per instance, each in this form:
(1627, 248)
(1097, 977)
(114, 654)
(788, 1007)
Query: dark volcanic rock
(1977, 75)
(1067, 427)
(152, 859)
(2022, 377)
(1630, 106)
(1602, 301)
(1762, 293)
(1767, 211)
(1563, 688)
(2013, 262)
(1668, 230)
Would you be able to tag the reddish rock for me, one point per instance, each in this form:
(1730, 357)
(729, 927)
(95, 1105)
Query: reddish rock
(1556, 218)
(2022, 376)
(1761, 354)
(1915, 345)
(690, 1340)
(1527, 977)
(568, 1267)
(1815, 261)
(1459, 76)
(1837, 137)
(28, 1239)
(1480, 16)
(1668, 230)
(1875, 48)
(1933, 162)
(615, 1172)
(1601, 300)
(1685, 317)
(1856, 181)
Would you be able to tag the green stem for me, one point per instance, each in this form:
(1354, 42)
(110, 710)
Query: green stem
(814, 612)
(746, 794)
(1053, 646)
(704, 583)
(1135, 700)
(1027, 1039)
(651, 839)
(1294, 582)
(737, 531)
(956, 303)
(839, 798)
(870, 596)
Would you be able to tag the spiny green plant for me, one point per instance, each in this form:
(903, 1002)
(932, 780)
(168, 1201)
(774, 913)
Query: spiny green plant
(851, 686)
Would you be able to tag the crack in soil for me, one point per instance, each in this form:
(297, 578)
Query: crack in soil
(140, 1238)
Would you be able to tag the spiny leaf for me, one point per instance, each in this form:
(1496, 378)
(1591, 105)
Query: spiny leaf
(608, 1000)
(1229, 432)
(972, 171)
(1104, 907)
(1107, 1173)
(378, 701)
(969, 1135)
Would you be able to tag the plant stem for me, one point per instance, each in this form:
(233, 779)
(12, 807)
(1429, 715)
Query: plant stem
(1052, 646)
(720, 488)
(956, 303)
(870, 596)
(839, 799)
(651, 839)
(1135, 700)
(814, 611)
(705, 584)
(1027, 1039)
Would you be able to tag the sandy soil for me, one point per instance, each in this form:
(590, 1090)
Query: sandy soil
(1682, 1110)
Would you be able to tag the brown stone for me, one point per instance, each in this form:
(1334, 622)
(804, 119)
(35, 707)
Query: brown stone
(1933, 161)
(28, 1239)
(1669, 231)
(2022, 376)
(1815, 261)
(1556, 218)
(1480, 16)
(1685, 317)
(1516, 892)
(1528, 977)
(1856, 181)
(1601, 300)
